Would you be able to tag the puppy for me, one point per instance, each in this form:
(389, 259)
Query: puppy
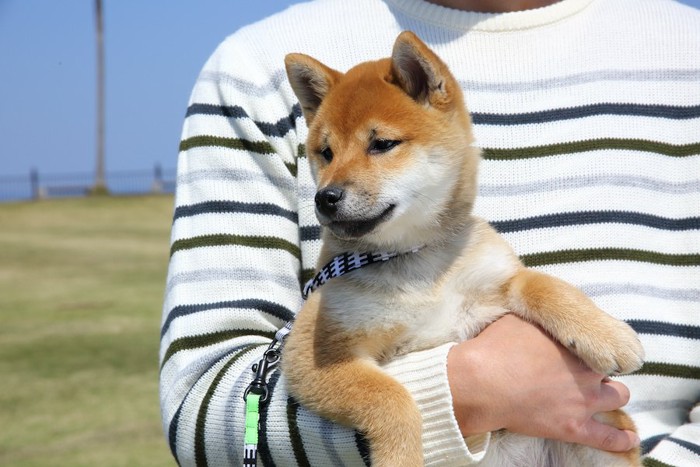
(390, 147)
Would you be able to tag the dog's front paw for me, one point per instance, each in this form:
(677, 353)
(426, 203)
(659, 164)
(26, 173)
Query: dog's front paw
(610, 347)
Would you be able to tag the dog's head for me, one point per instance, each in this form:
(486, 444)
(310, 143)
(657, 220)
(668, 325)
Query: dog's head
(389, 145)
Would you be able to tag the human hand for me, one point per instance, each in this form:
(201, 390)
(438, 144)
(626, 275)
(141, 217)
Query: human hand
(514, 376)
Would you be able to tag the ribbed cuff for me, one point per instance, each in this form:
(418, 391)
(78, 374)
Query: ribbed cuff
(424, 374)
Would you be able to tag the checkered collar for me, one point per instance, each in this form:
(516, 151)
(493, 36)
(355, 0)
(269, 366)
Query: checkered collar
(347, 262)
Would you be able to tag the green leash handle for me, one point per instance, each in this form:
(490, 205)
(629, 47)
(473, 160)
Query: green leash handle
(252, 421)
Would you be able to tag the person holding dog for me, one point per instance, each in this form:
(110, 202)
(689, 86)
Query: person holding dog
(587, 113)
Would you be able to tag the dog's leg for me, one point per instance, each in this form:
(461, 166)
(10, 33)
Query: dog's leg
(605, 344)
(360, 395)
(325, 375)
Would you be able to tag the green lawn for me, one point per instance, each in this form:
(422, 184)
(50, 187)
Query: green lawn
(81, 289)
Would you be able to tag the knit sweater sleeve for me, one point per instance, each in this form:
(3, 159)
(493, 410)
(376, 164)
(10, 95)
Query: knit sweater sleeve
(238, 256)
(680, 447)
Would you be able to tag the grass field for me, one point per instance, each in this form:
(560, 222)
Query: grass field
(81, 288)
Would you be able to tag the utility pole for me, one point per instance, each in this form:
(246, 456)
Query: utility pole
(100, 186)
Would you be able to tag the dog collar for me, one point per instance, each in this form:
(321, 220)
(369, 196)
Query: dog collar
(347, 262)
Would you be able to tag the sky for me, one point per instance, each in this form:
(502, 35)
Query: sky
(154, 50)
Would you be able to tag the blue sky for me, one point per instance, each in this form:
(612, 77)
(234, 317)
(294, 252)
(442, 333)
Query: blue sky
(154, 51)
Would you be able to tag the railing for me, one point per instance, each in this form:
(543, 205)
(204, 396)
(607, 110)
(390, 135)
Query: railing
(36, 185)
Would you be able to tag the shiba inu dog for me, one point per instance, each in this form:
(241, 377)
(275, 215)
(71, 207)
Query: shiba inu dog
(390, 146)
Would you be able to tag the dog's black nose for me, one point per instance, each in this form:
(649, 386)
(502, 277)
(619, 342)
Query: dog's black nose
(328, 198)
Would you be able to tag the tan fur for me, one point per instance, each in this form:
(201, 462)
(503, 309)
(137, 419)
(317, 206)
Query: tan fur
(418, 193)
(332, 379)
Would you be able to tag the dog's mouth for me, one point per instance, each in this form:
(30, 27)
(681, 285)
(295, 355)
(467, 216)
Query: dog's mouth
(355, 228)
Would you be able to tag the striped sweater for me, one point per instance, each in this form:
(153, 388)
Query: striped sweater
(588, 113)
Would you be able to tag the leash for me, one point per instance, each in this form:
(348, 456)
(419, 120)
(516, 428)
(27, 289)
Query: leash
(257, 393)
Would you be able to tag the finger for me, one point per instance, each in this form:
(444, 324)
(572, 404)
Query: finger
(612, 396)
(607, 438)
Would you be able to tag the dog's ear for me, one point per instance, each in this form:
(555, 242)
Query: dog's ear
(311, 80)
(421, 73)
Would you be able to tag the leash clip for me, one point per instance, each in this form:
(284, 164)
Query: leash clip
(270, 359)
(259, 393)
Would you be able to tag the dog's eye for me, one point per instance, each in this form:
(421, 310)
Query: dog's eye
(327, 154)
(379, 146)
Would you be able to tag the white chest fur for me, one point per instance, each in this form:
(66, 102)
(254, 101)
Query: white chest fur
(435, 295)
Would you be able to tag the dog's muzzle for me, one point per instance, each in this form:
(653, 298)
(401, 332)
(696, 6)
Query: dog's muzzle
(327, 200)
